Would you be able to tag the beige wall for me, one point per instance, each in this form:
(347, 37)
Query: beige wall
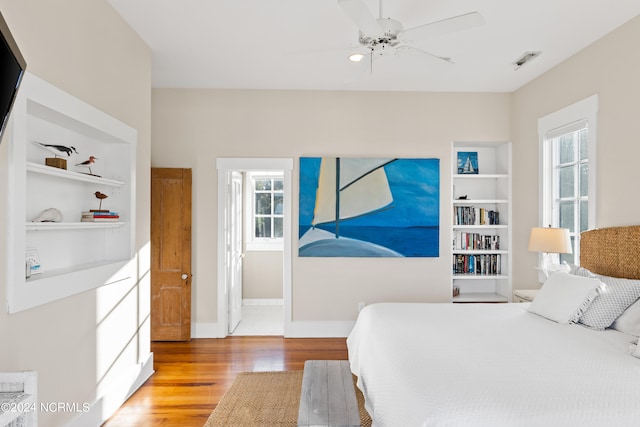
(85, 344)
(192, 127)
(262, 275)
(610, 68)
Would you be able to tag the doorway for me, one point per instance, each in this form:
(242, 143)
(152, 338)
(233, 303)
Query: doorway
(230, 256)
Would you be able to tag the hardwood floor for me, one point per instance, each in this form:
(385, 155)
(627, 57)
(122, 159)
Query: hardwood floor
(191, 377)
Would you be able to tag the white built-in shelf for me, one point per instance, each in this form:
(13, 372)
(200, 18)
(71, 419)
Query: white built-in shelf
(482, 176)
(74, 256)
(489, 189)
(471, 276)
(480, 297)
(62, 272)
(480, 251)
(71, 175)
(480, 201)
(50, 226)
(479, 227)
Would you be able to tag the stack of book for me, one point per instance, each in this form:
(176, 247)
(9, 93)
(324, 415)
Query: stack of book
(483, 264)
(471, 215)
(475, 241)
(100, 216)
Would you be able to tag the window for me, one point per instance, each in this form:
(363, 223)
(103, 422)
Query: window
(567, 140)
(265, 208)
(570, 185)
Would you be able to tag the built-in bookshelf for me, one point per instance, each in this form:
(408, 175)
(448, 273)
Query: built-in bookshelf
(481, 222)
(73, 255)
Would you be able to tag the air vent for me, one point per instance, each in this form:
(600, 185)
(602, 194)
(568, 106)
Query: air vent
(525, 59)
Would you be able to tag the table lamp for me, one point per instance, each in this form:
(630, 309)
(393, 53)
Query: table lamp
(550, 241)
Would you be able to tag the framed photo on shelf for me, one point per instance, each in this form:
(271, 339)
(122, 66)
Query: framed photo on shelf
(467, 162)
(32, 262)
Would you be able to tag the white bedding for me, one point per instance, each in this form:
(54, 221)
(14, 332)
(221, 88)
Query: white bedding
(490, 365)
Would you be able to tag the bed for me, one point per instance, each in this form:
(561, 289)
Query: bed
(508, 364)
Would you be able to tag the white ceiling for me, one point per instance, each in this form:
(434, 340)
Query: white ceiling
(304, 44)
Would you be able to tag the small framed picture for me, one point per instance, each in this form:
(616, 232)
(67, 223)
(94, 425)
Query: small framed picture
(32, 262)
(467, 162)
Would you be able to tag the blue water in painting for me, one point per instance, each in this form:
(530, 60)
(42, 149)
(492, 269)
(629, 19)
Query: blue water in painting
(408, 241)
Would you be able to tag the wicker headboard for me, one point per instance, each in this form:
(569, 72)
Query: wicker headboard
(613, 251)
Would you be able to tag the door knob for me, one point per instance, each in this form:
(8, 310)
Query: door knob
(184, 276)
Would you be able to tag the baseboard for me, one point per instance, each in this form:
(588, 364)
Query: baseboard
(299, 329)
(262, 301)
(328, 329)
(109, 403)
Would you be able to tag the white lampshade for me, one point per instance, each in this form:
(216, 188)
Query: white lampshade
(550, 240)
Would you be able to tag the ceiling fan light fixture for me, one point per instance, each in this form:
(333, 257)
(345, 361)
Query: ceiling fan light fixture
(356, 57)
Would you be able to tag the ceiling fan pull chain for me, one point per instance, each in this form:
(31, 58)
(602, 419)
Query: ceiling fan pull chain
(371, 62)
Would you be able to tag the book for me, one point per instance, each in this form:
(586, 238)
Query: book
(99, 213)
(100, 216)
(32, 262)
(475, 241)
(471, 215)
(483, 264)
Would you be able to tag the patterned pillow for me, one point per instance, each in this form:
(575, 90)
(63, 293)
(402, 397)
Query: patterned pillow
(580, 271)
(616, 295)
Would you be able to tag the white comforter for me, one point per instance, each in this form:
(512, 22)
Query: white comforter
(490, 365)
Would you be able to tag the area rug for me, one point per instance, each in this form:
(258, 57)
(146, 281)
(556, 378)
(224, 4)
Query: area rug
(266, 399)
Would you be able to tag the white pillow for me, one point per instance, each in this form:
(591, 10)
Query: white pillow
(629, 321)
(564, 297)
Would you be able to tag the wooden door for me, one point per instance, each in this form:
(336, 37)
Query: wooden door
(170, 254)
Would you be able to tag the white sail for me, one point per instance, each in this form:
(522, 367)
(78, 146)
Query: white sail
(363, 188)
(468, 166)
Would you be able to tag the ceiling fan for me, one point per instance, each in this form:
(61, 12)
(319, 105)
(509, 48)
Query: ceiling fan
(385, 36)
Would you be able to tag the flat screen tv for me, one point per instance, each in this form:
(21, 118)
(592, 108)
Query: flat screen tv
(12, 67)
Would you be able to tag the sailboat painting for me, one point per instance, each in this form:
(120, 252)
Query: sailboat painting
(369, 207)
(467, 162)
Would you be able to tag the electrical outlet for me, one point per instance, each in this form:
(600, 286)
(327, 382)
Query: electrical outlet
(360, 306)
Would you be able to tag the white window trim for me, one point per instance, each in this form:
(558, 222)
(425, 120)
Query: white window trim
(251, 244)
(554, 124)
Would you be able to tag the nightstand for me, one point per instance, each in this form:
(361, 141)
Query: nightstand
(524, 295)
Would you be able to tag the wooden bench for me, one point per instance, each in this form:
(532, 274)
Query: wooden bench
(328, 397)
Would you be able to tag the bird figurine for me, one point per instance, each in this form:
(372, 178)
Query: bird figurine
(100, 196)
(88, 163)
(57, 150)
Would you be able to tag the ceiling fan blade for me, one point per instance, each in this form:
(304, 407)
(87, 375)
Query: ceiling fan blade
(445, 26)
(361, 16)
(422, 52)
